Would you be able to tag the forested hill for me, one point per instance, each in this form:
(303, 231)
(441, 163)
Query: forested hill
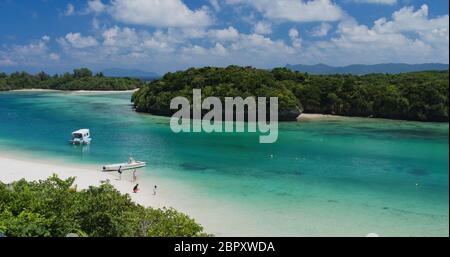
(80, 79)
(232, 81)
(421, 96)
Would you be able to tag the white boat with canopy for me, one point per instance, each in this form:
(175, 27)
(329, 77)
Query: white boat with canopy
(132, 164)
(81, 137)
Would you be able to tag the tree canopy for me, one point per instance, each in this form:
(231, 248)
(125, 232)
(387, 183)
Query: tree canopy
(54, 208)
(420, 96)
(80, 79)
(232, 81)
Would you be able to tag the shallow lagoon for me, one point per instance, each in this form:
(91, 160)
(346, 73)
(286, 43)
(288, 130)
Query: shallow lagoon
(336, 177)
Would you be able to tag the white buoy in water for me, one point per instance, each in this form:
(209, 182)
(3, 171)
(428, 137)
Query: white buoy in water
(372, 235)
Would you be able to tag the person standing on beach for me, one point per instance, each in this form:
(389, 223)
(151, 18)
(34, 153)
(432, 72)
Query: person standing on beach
(136, 188)
(154, 190)
(134, 175)
(120, 172)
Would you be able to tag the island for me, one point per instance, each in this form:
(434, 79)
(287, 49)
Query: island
(417, 96)
(232, 81)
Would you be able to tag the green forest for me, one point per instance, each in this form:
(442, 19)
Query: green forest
(232, 81)
(80, 79)
(54, 208)
(419, 96)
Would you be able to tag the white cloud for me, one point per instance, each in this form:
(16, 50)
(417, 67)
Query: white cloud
(157, 13)
(408, 20)
(155, 44)
(70, 9)
(96, 6)
(321, 30)
(255, 43)
(33, 49)
(76, 40)
(125, 45)
(295, 38)
(6, 61)
(118, 37)
(190, 33)
(194, 50)
(385, 2)
(95, 23)
(227, 34)
(220, 50)
(215, 4)
(410, 36)
(217, 51)
(175, 48)
(295, 10)
(32, 54)
(54, 56)
(293, 33)
(263, 28)
(128, 40)
(45, 38)
(246, 49)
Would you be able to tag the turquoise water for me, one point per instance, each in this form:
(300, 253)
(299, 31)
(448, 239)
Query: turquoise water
(344, 177)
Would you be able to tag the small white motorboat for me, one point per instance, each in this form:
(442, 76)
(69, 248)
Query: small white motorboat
(81, 137)
(132, 164)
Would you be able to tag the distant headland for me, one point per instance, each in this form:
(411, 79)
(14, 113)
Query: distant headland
(362, 69)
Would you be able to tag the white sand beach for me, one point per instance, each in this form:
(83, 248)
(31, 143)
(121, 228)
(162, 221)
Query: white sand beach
(34, 90)
(170, 194)
(315, 117)
(16, 169)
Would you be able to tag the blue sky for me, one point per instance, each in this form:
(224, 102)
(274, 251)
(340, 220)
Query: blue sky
(169, 35)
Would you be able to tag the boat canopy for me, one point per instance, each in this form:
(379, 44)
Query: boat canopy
(84, 132)
(81, 136)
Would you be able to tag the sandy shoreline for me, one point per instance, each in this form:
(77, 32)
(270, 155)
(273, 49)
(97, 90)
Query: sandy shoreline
(170, 193)
(315, 117)
(33, 90)
(31, 170)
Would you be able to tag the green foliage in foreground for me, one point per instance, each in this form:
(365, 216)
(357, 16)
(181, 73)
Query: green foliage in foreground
(421, 96)
(53, 207)
(80, 79)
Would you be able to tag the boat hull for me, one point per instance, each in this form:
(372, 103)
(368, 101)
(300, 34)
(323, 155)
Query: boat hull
(124, 166)
(80, 142)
